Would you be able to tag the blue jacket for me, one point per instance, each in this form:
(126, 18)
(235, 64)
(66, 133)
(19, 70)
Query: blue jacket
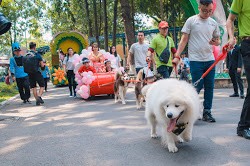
(45, 72)
(15, 69)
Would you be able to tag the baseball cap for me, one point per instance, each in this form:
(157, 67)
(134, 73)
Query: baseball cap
(16, 47)
(85, 60)
(106, 61)
(163, 24)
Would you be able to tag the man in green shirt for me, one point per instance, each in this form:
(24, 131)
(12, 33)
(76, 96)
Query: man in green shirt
(161, 44)
(241, 9)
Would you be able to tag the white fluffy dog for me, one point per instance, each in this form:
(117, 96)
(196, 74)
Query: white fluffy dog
(173, 105)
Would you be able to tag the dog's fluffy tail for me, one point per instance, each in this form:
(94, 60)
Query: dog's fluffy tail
(145, 89)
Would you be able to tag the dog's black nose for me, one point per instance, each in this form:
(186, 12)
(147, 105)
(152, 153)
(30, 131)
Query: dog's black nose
(170, 115)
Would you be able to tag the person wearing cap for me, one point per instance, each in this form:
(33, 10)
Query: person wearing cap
(159, 46)
(200, 32)
(108, 67)
(18, 74)
(241, 9)
(86, 66)
(46, 75)
(138, 53)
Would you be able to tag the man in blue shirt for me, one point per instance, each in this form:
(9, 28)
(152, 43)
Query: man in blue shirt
(18, 74)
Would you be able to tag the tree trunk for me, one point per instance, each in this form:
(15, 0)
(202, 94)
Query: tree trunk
(106, 40)
(161, 10)
(128, 24)
(114, 23)
(96, 25)
(133, 14)
(88, 18)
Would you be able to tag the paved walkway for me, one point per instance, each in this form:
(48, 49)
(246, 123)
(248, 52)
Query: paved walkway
(72, 132)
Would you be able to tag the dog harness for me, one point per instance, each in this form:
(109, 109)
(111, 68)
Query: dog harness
(179, 128)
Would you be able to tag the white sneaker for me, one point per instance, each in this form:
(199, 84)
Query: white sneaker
(70, 96)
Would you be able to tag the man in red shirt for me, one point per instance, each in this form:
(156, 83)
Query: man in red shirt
(86, 67)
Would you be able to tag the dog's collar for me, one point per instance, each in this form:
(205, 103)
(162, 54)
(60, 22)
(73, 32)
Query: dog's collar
(179, 128)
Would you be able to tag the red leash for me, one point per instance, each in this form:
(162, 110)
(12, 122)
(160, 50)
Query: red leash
(222, 56)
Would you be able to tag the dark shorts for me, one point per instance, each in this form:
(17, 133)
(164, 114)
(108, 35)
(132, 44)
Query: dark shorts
(36, 78)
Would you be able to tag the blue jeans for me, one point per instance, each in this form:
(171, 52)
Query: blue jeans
(165, 71)
(197, 69)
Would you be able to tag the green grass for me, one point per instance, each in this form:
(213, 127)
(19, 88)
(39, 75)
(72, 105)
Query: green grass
(7, 91)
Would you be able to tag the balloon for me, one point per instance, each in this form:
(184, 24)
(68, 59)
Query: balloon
(85, 96)
(84, 79)
(77, 87)
(80, 83)
(84, 74)
(90, 72)
(84, 88)
(88, 82)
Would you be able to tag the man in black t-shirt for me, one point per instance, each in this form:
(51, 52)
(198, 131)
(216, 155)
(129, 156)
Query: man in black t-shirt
(37, 76)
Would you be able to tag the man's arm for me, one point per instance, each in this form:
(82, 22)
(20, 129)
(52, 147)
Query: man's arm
(182, 44)
(230, 30)
(129, 58)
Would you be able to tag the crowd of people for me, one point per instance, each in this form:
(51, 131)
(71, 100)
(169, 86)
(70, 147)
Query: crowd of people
(200, 32)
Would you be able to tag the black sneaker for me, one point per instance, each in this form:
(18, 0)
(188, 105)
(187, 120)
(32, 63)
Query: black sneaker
(234, 95)
(244, 133)
(208, 117)
(40, 99)
(24, 101)
(28, 101)
(242, 96)
(38, 102)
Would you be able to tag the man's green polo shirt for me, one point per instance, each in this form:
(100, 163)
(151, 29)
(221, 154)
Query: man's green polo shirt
(241, 8)
(158, 44)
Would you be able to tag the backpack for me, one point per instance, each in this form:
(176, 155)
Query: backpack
(165, 55)
(30, 63)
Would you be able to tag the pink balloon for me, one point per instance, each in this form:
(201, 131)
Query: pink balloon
(85, 96)
(84, 79)
(80, 83)
(84, 74)
(84, 88)
(77, 88)
(79, 92)
(89, 81)
(90, 72)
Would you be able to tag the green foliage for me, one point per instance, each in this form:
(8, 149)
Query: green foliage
(48, 57)
(24, 16)
(7, 91)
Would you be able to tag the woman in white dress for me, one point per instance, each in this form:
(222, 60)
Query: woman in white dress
(117, 57)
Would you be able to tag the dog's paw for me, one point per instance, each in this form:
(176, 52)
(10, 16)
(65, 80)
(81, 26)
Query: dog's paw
(187, 138)
(172, 148)
(154, 136)
(180, 140)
